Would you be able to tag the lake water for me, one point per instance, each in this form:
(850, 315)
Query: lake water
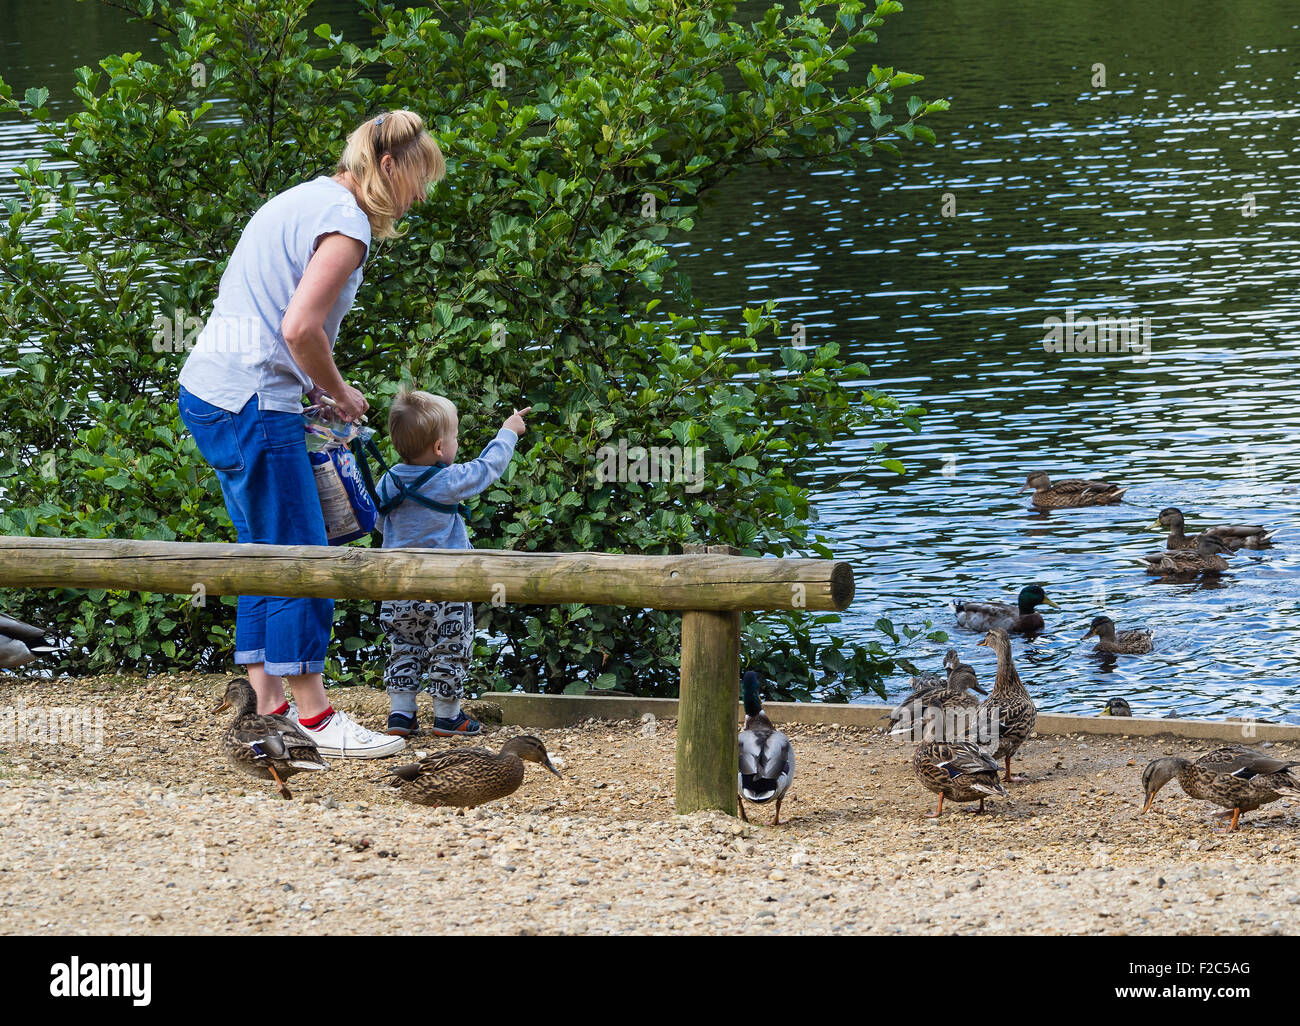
(1169, 193)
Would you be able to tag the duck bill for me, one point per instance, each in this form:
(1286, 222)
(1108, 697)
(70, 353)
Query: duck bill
(976, 687)
(982, 644)
(1150, 800)
(1024, 488)
(1157, 526)
(1090, 634)
(548, 765)
(225, 704)
(1105, 712)
(1050, 602)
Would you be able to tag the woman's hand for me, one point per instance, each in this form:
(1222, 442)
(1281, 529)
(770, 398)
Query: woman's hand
(351, 405)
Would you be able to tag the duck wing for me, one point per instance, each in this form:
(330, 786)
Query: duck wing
(766, 764)
(982, 616)
(278, 739)
(22, 631)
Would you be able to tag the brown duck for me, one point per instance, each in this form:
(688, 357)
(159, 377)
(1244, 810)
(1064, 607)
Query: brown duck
(1237, 778)
(958, 771)
(1010, 703)
(1134, 641)
(1234, 536)
(467, 777)
(1071, 493)
(266, 746)
(1207, 559)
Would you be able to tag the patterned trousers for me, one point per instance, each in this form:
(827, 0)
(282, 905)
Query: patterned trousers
(433, 639)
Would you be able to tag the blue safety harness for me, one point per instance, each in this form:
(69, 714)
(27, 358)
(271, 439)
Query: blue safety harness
(404, 491)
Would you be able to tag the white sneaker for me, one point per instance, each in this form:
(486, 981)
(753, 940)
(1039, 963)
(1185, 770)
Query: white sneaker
(344, 738)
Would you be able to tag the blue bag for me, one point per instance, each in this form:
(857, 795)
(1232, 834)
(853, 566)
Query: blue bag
(345, 500)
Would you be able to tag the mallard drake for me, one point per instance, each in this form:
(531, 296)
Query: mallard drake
(1235, 536)
(1206, 559)
(1134, 641)
(1235, 777)
(1009, 705)
(1018, 619)
(940, 713)
(956, 770)
(1070, 493)
(20, 643)
(466, 777)
(766, 758)
(267, 746)
(1117, 707)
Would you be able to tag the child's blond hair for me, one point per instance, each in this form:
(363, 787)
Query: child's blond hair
(417, 420)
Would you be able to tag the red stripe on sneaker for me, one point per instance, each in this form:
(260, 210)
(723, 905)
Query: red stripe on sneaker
(316, 722)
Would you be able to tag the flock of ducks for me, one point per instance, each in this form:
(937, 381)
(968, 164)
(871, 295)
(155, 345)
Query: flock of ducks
(959, 753)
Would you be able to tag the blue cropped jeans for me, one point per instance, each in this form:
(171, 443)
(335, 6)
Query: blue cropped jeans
(270, 492)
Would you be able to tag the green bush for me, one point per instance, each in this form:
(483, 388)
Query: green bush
(580, 137)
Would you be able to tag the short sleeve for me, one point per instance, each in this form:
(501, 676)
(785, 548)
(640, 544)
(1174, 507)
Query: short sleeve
(346, 219)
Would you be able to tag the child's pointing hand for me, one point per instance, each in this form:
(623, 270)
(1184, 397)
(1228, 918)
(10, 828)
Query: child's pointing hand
(515, 422)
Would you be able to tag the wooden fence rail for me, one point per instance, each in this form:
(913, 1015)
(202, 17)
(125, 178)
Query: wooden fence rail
(711, 587)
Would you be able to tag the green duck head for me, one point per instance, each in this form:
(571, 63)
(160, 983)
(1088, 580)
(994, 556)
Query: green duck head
(530, 749)
(749, 691)
(1032, 595)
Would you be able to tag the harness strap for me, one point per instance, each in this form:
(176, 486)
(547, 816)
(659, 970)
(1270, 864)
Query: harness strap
(404, 491)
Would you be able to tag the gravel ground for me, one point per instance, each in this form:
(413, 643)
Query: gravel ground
(154, 834)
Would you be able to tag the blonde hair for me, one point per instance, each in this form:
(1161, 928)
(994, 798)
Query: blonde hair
(417, 420)
(418, 163)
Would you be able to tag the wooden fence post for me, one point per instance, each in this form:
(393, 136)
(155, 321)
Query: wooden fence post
(707, 754)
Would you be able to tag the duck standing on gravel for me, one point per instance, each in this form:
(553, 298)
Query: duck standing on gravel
(1009, 706)
(1238, 778)
(468, 777)
(766, 758)
(1018, 619)
(1134, 641)
(1071, 493)
(958, 771)
(267, 746)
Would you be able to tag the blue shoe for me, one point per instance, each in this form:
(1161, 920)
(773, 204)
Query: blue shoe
(402, 725)
(461, 726)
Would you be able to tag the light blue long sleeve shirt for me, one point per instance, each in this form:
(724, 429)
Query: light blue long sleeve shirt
(411, 526)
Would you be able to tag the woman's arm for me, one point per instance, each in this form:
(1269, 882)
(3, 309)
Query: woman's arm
(303, 327)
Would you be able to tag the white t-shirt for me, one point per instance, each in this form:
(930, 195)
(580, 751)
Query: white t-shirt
(240, 352)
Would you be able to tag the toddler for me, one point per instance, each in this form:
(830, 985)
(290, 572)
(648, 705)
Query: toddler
(419, 507)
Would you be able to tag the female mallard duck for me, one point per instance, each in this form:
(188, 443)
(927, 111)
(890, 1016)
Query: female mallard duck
(1206, 559)
(932, 680)
(766, 758)
(267, 746)
(1117, 707)
(940, 713)
(1134, 641)
(1018, 619)
(1235, 536)
(20, 643)
(1071, 493)
(466, 777)
(956, 770)
(1237, 778)
(1009, 705)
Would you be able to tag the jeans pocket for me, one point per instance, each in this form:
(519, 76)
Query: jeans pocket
(282, 431)
(214, 433)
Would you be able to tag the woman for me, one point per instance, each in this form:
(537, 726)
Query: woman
(269, 341)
